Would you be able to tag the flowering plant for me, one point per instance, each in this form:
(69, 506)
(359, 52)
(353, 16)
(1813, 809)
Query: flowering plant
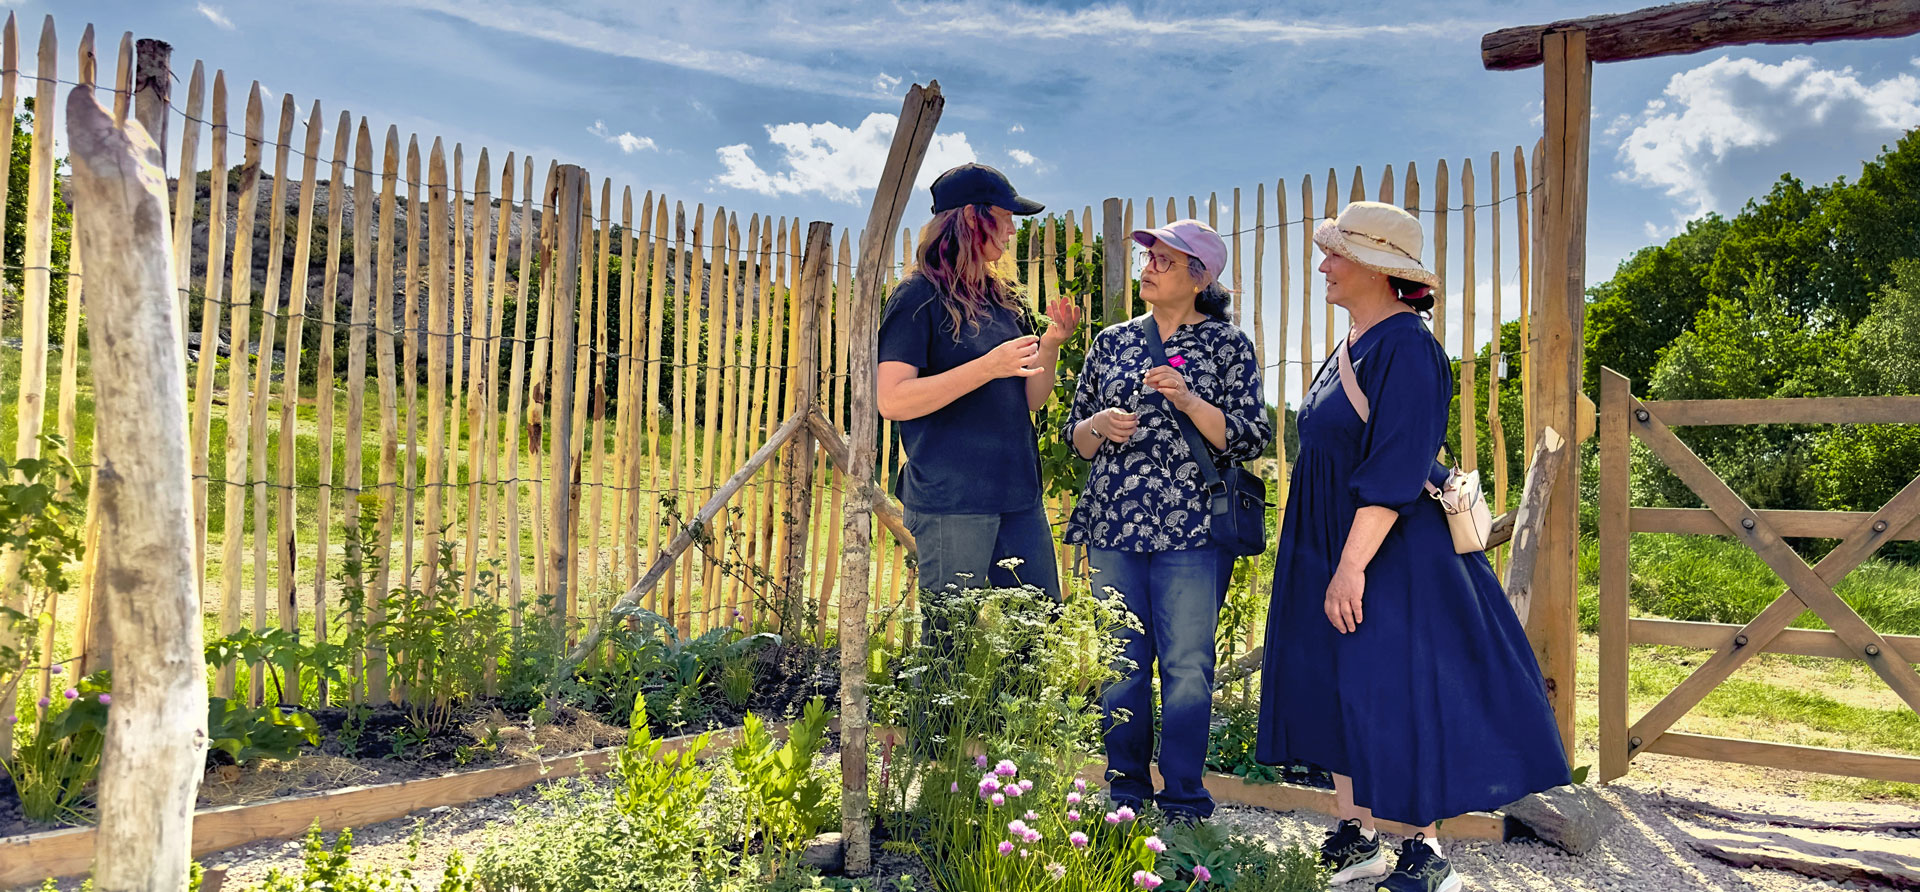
(57, 760)
(1023, 834)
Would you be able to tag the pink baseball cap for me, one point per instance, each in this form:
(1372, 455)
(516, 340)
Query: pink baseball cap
(1192, 238)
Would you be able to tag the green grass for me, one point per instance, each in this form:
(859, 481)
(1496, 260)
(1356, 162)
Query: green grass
(1717, 579)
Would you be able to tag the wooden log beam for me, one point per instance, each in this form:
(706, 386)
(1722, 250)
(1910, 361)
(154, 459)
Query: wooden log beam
(919, 114)
(1681, 28)
(891, 514)
(156, 736)
(1549, 456)
(694, 529)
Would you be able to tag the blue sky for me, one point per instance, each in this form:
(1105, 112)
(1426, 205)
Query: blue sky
(786, 108)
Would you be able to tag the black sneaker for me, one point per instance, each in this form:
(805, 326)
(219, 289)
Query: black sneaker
(1350, 855)
(1421, 869)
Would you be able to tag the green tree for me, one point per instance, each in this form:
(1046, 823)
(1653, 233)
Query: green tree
(1650, 300)
(14, 252)
(1860, 467)
(1750, 349)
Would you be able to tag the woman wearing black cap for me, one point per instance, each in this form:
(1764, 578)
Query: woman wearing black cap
(963, 367)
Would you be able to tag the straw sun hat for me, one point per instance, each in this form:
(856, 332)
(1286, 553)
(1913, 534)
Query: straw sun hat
(1380, 237)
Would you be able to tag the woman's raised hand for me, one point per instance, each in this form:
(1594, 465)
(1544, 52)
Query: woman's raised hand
(1015, 358)
(1170, 384)
(1062, 318)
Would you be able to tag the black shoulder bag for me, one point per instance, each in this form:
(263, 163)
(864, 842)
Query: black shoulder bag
(1239, 498)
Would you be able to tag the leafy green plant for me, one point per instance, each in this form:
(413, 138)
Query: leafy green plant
(1191, 846)
(1018, 673)
(676, 676)
(1020, 833)
(438, 650)
(787, 798)
(1292, 869)
(651, 830)
(42, 504)
(330, 869)
(53, 769)
(247, 733)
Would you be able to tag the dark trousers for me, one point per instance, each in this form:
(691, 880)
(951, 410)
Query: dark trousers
(964, 550)
(1177, 595)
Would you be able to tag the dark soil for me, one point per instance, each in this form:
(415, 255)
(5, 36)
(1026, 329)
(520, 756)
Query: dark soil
(374, 745)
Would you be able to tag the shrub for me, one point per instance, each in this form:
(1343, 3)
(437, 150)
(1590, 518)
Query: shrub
(786, 797)
(325, 869)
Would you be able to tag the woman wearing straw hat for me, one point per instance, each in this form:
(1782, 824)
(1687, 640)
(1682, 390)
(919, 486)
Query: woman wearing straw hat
(1392, 661)
(963, 367)
(1146, 513)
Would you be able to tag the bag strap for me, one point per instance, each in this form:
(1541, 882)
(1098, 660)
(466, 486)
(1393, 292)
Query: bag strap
(1350, 383)
(1195, 444)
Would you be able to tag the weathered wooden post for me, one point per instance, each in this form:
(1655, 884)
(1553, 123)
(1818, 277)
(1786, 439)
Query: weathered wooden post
(155, 738)
(815, 267)
(918, 118)
(1560, 315)
(1116, 292)
(572, 186)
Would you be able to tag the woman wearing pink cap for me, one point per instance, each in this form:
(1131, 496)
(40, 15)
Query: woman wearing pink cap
(1146, 513)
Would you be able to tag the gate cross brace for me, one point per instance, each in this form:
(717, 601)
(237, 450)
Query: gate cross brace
(1808, 587)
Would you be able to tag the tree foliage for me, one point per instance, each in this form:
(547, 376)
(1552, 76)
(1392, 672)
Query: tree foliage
(1808, 291)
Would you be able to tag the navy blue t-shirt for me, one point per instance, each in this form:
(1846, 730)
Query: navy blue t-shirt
(979, 454)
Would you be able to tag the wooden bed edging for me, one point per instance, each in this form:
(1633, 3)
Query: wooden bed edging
(1236, 790)
(69, 852)
(1229, 788)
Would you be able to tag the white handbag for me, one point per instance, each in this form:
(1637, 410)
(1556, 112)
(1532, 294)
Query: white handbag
(1468, 517)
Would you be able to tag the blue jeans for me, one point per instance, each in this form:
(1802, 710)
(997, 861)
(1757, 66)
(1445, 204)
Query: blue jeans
(965, 550)
(1177, 595)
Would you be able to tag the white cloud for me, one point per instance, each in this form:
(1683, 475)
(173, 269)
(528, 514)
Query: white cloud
(1017, 128)
(1022, 157)
(627, 142)
(1726, 130)
(809, 45)
(831, 160)
(215, 16)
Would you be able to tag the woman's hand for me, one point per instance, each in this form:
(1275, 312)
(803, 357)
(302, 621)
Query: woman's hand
(1344, 594)
(1062, 318)
(1116, 425)
(1015, 358)
(1170, 384)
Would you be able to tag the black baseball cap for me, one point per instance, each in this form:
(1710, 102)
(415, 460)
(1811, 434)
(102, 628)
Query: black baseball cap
(979, 184)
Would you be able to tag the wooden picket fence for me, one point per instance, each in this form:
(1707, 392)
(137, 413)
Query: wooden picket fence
(680, 360)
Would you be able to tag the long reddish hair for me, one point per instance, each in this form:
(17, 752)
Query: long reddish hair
(952, 256)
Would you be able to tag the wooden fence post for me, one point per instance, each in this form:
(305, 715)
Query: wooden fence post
(918, 117)
(1116, 293)
(155, 737)
(153, 89)
(1553, 627)
(572, 187)
(815, 267)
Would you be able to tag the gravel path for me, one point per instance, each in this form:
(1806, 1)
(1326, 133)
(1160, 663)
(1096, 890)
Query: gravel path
(1645, 850)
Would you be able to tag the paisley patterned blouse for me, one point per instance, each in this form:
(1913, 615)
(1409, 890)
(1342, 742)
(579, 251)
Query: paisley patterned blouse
(1147, 494)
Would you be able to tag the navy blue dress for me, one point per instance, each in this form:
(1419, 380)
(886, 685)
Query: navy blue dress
(1435, 705)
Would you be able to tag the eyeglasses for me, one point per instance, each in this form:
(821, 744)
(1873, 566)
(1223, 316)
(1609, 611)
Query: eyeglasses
(1156, 263)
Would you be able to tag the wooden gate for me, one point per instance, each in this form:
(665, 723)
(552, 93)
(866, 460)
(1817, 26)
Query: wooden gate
(1808, 587)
